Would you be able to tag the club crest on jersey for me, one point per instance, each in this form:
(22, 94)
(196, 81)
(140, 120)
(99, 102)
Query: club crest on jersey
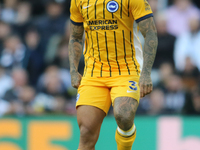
(112, 6)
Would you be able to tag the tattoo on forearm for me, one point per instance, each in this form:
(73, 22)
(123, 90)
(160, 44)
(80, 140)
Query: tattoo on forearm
(148, 30)
(75, 46)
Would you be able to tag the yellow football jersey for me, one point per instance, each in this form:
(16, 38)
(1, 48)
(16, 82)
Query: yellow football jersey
(112, 46)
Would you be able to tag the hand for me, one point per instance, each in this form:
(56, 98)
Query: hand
(75, 79)
(146, 85)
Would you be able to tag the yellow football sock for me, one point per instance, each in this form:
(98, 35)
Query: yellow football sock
(125, 139)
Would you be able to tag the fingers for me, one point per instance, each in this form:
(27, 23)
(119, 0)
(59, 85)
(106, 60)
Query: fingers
(145, 89)
(150, 88)
(75, 81)
(76, 84)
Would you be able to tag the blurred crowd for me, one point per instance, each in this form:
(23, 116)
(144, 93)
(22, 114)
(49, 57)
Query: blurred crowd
(34, 64)
(176, 69)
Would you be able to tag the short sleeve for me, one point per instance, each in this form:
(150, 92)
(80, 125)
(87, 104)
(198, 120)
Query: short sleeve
(75, 16)
(140, 10)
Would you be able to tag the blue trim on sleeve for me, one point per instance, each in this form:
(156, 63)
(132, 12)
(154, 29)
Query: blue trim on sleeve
(145, 17)
(76, 23)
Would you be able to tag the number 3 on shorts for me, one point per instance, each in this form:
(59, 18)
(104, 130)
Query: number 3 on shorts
(133, 85)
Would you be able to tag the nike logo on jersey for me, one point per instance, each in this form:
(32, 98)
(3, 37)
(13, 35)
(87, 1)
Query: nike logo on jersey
(130, 91)
(87, 6)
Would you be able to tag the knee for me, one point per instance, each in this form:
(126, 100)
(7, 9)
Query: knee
(124, 111)
(124, 118)
(88, 136)
(124, 121)
(85, 131)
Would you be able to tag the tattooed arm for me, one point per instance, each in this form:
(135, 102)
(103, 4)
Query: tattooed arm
(148, 30)
(75, 51)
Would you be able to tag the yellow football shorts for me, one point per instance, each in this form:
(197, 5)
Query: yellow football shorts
(101, 92)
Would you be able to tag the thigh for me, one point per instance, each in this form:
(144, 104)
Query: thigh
(125, 106)
(96, 96)
(90, 118)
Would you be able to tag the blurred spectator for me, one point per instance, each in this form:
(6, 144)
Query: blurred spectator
(53, 22)
(38, 7)
(60, 104)
(42, 40)
(43, 103)
(14, 53)
(178, 16)
(158, 5)
(190, 75)
(144, 106)
(197, 2)
(165, 70)
(8, 13)
(192, 106)
(162, 4)
(166, 42)
(23, 21)
(20, 80)
(5, 107)
(188, 45)
(53, 83)
(156, 99)
(23, 104)
(51, 50)
(175, 96)
(154, 5)
(35, 60)
(62, 57)
(55, 42)
(5, 30)
(57, 50)
(6, 82)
